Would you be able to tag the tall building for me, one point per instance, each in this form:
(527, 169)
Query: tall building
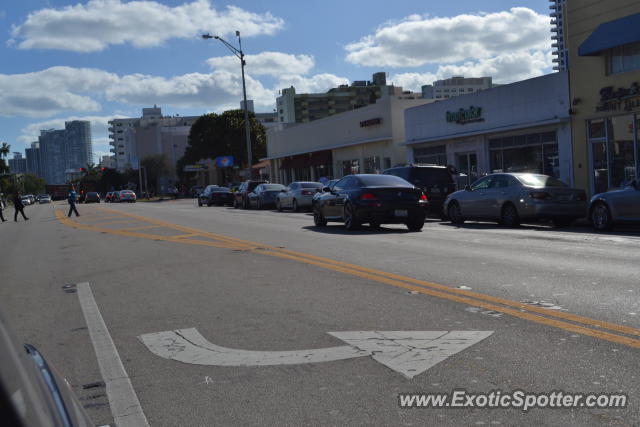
(307, 107)
(604, 57)
(34, 160)
(135, 138)
(455, 86)
(18, 164)
(65, 149)
(559, 30)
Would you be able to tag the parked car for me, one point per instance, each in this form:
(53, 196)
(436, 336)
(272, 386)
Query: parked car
(319, 192)
(44, 198)
(437, 182)
(615, 206)
(124, 196)
(264, 195)
(240, 197)
(92, 197)
(26, 200)
(373, 199)
(510, 198)
(109, 197)
(297, 195)
(215, 195)
(196, 190)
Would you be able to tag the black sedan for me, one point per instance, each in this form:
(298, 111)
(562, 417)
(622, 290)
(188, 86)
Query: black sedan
(264, 195)
(372, 199)
(214, 195)
(92, 197)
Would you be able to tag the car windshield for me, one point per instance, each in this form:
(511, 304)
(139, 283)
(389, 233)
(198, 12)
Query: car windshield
(310, 185)
(540, 180)
(383, 181)
(425, 175)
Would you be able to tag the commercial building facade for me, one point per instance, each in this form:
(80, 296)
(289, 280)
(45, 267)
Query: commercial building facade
(519, 127)
(18, 164)
(604, 58)
(456, 86)
(364, 140)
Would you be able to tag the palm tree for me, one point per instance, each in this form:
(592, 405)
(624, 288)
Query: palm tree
(5, 149)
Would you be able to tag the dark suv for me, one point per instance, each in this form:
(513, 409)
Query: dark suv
(240, 197)
(435, 181)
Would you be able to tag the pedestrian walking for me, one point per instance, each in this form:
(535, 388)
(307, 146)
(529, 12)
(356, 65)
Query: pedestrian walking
(72, 201)
(19, 207)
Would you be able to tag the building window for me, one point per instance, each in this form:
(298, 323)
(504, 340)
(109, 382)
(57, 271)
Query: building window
(624, 58)
(532, 153)
(350, 167)
(431, 155)
(387, 162)
(372, 164)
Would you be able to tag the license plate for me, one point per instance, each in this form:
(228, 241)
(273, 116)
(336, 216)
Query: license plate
(401, 213)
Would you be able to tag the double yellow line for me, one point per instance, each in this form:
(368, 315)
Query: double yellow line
(562, 320)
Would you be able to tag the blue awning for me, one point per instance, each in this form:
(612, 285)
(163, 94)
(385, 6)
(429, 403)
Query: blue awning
(612, 34)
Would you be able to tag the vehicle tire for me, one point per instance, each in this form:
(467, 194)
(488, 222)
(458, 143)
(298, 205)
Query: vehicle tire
(259, 204)
(199, 202)
(600, 217)
(509, 216)
(562, 222)
(350, 222)
(278, 206)
(415, 224)
(318, 219)
(454, 213)
(235, 204)
(209, 203)
(245, 203)
(294, 206)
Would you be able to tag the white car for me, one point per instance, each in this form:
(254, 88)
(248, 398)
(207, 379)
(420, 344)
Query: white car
(44, 198)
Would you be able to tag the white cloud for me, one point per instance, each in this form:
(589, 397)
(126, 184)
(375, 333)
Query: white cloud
(316, 83)
(505, 68)
(417, 41)
(97, 24)
(266, 63)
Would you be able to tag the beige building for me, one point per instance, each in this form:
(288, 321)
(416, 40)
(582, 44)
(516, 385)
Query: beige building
(364, 140)
(604, 69)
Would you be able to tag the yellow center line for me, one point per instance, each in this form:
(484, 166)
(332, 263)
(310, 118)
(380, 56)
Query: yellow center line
(144, 227)
(441, 291)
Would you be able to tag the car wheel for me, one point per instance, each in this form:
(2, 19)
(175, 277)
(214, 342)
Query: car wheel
(454, 213)
(509, 217)
(318, 219)
(562, 222)
(294, 206)
(245, 203)
(209, 203)
(278, 205)
(199, 202)
(235, 204)
(600, 217)
(259, 204)
(415, 224)
(350, 221)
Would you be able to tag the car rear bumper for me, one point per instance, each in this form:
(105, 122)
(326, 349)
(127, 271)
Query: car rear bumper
(390, 213)
(544, 210)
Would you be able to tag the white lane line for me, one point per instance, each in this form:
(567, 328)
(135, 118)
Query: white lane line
(125, 406)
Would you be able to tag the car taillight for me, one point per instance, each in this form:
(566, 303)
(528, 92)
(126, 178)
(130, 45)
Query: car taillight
(423, 197)
(368, 196)
(581, 197)
(540, 195)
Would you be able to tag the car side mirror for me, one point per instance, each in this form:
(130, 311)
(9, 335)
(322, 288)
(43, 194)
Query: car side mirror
(467, 188)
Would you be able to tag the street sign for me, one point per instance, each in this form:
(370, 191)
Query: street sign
(195, 168)
(224, 161)
(407, 352)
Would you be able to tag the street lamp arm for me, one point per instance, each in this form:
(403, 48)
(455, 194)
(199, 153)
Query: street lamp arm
(234, 50)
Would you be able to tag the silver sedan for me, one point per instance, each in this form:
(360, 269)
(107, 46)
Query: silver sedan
(513, 197)
(622, 205)
(297, 195)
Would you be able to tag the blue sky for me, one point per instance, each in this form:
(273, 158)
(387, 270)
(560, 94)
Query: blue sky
(100, 59)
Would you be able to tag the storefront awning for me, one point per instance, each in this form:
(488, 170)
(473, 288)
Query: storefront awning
(612, 34)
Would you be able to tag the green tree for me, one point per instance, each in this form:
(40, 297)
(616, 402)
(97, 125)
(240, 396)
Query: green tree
(33, 184)
(5, 149)
(157, 166)
(223, 134)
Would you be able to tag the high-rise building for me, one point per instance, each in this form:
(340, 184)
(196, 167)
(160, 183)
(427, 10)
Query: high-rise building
(307, 107)
(455, 86)
(34, 160)
(559, 30)
(65, 149)
(18, 164)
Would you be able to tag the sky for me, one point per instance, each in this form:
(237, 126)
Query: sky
(96, 60)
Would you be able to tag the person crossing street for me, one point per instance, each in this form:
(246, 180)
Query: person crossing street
(72, 201)
(19, 207)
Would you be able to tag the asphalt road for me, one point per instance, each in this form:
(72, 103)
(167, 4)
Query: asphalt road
(562, 308)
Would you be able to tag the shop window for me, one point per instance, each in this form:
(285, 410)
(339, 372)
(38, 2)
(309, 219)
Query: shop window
(523, 159)
(350, 167)
(372, 164)
(387, 162)
(323, 171)
(596, 129)
(621, 148)
(600, 169)
(624, 58)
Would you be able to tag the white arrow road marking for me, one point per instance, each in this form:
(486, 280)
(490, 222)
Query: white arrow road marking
(407, 352)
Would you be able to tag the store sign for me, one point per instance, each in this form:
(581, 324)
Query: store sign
(224, 161)
(619, 99)
(371, 122)
(465, 115)
(195, 168)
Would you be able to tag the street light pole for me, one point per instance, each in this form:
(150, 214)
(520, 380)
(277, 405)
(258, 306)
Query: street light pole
(247, 127)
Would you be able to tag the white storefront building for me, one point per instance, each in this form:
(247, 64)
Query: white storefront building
(365, 140)
(519, 127)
